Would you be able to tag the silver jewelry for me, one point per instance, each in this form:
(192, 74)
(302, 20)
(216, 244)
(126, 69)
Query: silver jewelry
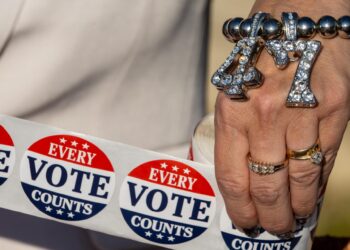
(327, 27)
(344, 26)
(271, 29)
(231, 29)
(238, 73)
(306, 27)
(291, 49)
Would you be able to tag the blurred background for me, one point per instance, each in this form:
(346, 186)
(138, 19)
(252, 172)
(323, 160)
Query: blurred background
(335, 215)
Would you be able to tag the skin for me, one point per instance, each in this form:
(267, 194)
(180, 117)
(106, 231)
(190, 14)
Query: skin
(266, 128)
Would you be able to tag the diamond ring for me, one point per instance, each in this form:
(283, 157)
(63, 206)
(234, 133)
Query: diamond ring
(265, 168)
(314, 154)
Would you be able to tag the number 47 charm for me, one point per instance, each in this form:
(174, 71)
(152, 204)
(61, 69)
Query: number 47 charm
(300, 94)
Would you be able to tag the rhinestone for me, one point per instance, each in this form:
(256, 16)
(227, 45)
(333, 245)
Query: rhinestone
(243, 59)
(249, 76)
(227, 63)
(236, 49)
(240, 43)
(271, 170)
(296, 98)
(237, 78)
(288, 45)
(313, 46)
(216, 79)
(301, 45)
(251, 41)
(276, 45)
(227, 79)
(233, 90)
(221, 69)
(300, 87)
(305, 65)
(308, 96)
(240, 69)
(246, 51)
(309, 55)
(301, 75)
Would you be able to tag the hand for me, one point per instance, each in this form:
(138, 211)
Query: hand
(265, 128)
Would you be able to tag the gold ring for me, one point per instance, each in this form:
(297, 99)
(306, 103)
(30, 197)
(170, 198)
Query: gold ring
(265, 168)
(314, 154)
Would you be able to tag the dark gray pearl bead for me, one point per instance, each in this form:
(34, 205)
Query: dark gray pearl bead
(306, 27)
(245, 27)
(344, 27)
(271, 29)
(327, 26)
(233, 28)
(225, 29)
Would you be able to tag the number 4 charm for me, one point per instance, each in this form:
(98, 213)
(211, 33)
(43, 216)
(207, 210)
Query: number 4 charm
(300, 94)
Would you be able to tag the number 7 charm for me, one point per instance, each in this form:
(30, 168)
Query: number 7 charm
(300, 94)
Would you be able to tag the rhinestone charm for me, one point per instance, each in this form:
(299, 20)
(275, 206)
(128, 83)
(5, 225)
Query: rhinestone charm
(238, 73)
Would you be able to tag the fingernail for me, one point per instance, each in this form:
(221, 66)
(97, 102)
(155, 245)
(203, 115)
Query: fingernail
(285, 236)
(252, 232)
(301, 220)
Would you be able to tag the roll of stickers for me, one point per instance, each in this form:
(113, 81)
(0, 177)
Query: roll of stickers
(122, 190)
(202, 150)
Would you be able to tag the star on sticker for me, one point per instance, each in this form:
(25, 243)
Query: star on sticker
(163, 165)
(70, 215)
(48, 209)
(148, 234)
(60, 212)
(171, 238)
(187, 171)
(159, 236)
(62, 140)
(85, 146)
(74, 143)
(175, 168)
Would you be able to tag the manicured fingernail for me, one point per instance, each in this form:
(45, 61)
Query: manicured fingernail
(252, 232)
(301, 220)
(285, 236)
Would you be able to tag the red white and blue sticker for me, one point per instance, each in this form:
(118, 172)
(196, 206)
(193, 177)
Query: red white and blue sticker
(7, 155)
(236, 240)
(167, 202)
(67, 177)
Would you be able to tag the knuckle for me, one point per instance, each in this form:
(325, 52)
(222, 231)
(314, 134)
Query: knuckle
(245, 219)
(267, 108)
(232, 188)
(304, 175)
(281, 226)
(265, 194)
(304, 208)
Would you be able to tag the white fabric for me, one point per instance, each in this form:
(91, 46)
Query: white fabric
(129, 71)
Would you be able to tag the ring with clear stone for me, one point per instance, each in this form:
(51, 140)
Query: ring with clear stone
(265, 168)
(314, 154)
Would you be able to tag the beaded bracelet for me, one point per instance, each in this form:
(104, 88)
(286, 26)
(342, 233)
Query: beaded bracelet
(287, 41)
(327, 26)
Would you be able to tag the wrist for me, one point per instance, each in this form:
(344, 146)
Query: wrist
(311, 8)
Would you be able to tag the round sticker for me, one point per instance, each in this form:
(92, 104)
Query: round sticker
(167, 202)
(67, 177)
(7, 155)
(235, 239)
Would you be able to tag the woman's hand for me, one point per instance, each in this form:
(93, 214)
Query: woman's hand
(266, 128)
